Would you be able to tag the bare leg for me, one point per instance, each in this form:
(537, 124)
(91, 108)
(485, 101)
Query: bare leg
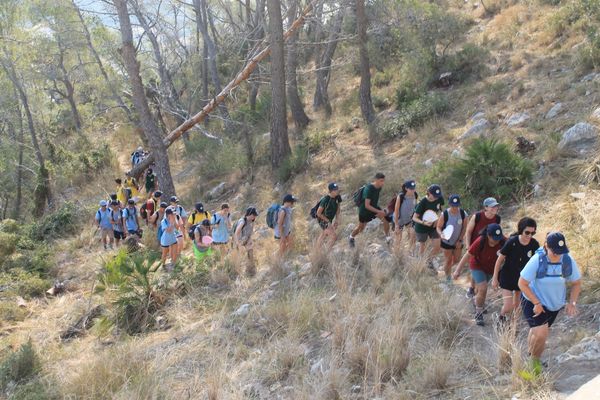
(537, 340)
(358, 229)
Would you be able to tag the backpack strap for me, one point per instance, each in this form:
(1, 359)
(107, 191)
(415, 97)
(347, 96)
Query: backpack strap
(477, 217)
(567, 265)
(446, 216)
(463, 214)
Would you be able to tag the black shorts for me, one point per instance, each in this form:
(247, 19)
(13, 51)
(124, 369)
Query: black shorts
(324, 225)
(408, 224)
(119, 235)
(447, 246)
(219, 243)
(547, 317)
(366, 218)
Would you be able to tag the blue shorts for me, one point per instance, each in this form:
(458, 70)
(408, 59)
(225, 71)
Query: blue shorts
(547, 317)
(480, 277)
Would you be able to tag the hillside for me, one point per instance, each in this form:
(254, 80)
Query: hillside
(366, 323)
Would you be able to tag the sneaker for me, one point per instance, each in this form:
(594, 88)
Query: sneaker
(351, 242)
(536, 367)
(430, 265)
(111, 247)
(470, 293)
(479, 319)
(105, 248)
(388, 240)
(449, 279)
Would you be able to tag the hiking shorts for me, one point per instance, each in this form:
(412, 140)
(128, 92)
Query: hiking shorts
(547, 317)
(106, 232)
(119, 235)
(324, 225)
(447, 246)
(480, 276)
(422, 237)
(366, 218)
(409, 224)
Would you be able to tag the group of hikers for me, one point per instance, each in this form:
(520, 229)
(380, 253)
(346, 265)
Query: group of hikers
(533, 278)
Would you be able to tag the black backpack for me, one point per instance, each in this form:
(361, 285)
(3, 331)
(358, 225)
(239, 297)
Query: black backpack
(357, 197)
(313, 211)
(192, 231)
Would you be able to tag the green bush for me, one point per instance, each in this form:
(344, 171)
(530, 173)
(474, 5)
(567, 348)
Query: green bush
(23, 283)
(217, 157)
(469, 62)
(381, 79)
(8, 245)
(60, 223)
(35, 389)
(295, 164)
(10, 311)
(38, 261)
(488, 168)
(9, 226)
(20, 366)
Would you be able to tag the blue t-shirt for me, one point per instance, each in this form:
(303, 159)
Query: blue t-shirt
(104, 218)
(130, 220)
(167, 238)
(181, 211)
(220, 233)
(550, 290)
(116, 220)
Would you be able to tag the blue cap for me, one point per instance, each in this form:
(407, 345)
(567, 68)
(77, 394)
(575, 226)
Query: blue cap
(174, 199)
(103, 203)
(435, 190)
(495, 231)
(288, 198)
(410, 184)
(490, 202)
(333, 186)
(454, 200)
(557, 243)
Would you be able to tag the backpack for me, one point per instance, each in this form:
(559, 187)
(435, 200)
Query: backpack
(463, 215)
(391, 207)
(234, 227)
(272, 214)
(357, 197)
(478, 217)
(129, 215)
(99, 216)
(542, 271)
(192, 231)
(313, 211)
(128, 193)
(143, 212)
(147, 209)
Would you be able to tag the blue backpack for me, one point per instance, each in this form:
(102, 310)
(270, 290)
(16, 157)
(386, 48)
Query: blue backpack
(542, 271)
(272, 214)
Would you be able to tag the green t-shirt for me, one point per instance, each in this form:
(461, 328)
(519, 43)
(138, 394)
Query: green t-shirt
(423, 206)
(330, 206)
(372, 193)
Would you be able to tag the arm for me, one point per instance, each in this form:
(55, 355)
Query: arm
(338, 215)
(440, 224)
(497, 268)
(280, 219)
(469, 231)
(537, 306)
(575, 291)
(237, 235)
(369, 207)
(321, 216)
(397, 212)
(459, 268)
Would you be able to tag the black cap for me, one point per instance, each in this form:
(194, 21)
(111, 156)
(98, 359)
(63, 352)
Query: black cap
(557, 243)
(288, 198)
(130, 201)
(169, 211)
(173, 199)
(157, 194)
(205, 222)
(114, 203)
(435, 190)
(113, 196)
(495, 231)
(251, 211)
(199, 207)
(333, 186)
(454, 200)
(163, 204)
(410, 184)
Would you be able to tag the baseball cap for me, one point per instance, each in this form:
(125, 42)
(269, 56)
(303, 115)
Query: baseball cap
(163, 205)
(251, 211)
(288, 198)
(158, 193)
(114, 203)
(205, 222)
(103, 203)
(495, 231)
(113, 196)
(410, 184)
(199, 207)
(490, 202)
(130, 201)
(557, 243)
(454, 200)
(173, 199)
(169, 211)
(435, 190)
(333, 186)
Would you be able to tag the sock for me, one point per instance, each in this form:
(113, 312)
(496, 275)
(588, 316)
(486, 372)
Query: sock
(478, 310)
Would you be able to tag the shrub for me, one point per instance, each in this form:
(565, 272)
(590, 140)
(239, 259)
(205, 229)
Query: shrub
(295, 164)
(218, 157)
(10, 311)
(467, 63)
(60, 223)
(20, 366)
(381, 79)
(487, 168)
(9, 226)
(23, 283)
(8, 245)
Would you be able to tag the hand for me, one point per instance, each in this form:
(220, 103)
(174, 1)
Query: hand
(495, 283)
(456, 274)
(428, 223)
(381, 214)
(335, 225)
(538, 309)
(572, 310)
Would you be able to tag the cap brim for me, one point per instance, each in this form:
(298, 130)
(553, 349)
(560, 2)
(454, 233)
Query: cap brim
(497, 238)
(560, 251)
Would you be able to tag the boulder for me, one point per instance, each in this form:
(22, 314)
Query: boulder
(554, 111)
(373, 225)
(478, 116)
(428, 163)
(479, 128)
(217, 191)
(596, 114)
(517, 119)
(242, 311)
(579, 139)
(456, 153)
(590, 77)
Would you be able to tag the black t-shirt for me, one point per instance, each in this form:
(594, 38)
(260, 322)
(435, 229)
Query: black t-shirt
(517, 256)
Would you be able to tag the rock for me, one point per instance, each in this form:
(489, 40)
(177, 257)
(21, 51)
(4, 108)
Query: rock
(317, 367)
(21, 302)
(554, 111)
(355, 122)
(456, 153)
(586, 350)
(537, 190)
(596, 114)
(524, 146)
(428, 163)
(274, 284)
(579, 139)
(517, 119)
(480, 127)
(356, 389)
(373, 225)
(588, 391)
(578, 196)
(445, 79)
(590, 77)
(418, 147)
(242, 311)
(217, 191)
(378, 252)
(263, 233)
(478, 116)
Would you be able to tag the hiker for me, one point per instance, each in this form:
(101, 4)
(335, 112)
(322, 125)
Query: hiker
(403, 209)
(221, 223)
(179, 210)
(202, 247)
(131, 186)
(104, 223)
(242, 237)
(543, 285)
(121, 192)
(151, 184)
(328, 214)
(180, 217)
(157, 218)
(137, 156)
(515, 254)
(147, 209)
(431, 203)
(283, 227)
(117, 222)
(198, 215)
(367, 199)
(168, 239)
(113, 197)
(477, 223)
(130, 216)
(452, 245)
(482, 256)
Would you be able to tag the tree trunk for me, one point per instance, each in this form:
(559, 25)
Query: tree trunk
(42, 193)
(70, 89)
(366, 103)
(149, 126)
(300, 118)
(323, 66)
(19, 177)
(280, 145)
(111, 86)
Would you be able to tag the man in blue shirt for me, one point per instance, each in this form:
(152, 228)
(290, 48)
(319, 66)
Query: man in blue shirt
(130, 216)
(104, 223)
(543, 283)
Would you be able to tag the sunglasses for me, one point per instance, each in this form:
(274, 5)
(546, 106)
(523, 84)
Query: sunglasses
(528, 233)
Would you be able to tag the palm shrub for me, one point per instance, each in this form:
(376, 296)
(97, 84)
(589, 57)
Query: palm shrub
(131, 281)
(488, 168)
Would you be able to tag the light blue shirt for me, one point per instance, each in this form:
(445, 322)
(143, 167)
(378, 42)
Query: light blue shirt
(130, 220)
(167, 238)
(550, 290)
(220, 233)
(104, 218)
(116, 220)
(181, 211)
